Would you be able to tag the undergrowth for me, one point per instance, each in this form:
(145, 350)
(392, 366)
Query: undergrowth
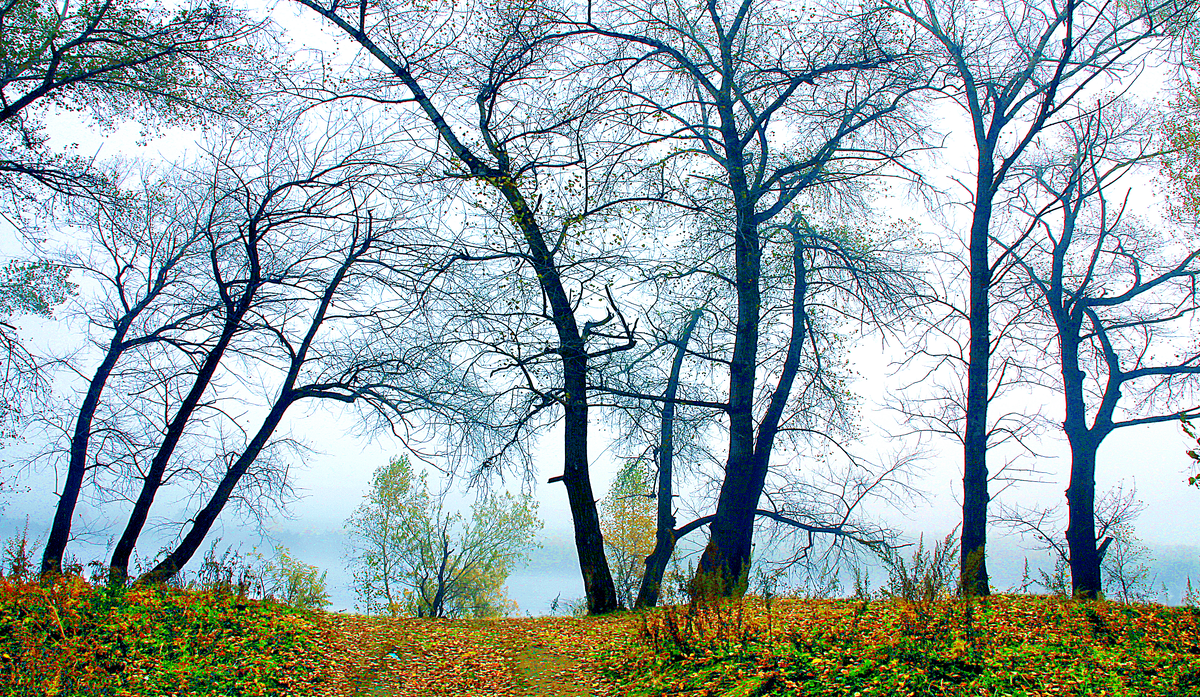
(1029, 646)
(75, 637)
(915, 638)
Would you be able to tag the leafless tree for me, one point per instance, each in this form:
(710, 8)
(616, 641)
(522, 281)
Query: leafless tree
(1014, 67)
(311, 240)
(143, 272)
(538, 176)
(1116, 300)
(248, 279)
(837, 271)
(759, 105)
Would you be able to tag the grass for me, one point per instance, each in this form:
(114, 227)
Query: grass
(74, 638)
(1003, 645)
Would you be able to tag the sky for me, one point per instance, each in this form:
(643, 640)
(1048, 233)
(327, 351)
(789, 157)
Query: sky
(335, 475)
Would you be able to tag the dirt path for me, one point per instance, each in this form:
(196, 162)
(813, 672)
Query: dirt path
(533, 657)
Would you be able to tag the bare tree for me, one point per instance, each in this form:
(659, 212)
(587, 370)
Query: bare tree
(1116, 510)
(1014, 67)
(1117, 299)
(546, 172)
(830, 268)
(262, 265)
(759, 106)
(664, 537)
(139, 266)
(311, 236)
(245, 220)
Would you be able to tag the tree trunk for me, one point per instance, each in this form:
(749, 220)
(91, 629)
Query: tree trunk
(601, 593)
(589, 543)
(118, 571)
(728, 551)
(973, 576)
(664, 534)
(60, 529)
(1081, 517)
(203, 522)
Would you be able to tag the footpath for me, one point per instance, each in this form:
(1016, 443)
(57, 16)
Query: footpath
(525, 657)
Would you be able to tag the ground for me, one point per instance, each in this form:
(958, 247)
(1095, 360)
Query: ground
(543, 657)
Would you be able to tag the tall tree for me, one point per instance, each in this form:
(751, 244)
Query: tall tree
(251, 264)
(1119, 297)
(309, 234)
(482, 82)
(759, 104)
(243, 266)
(142, 270)
(1013, 67)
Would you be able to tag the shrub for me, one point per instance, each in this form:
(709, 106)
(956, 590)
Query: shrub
(712, 621)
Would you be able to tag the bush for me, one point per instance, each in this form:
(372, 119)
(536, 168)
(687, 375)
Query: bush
(712, 621)
(228, 573)
(284, 579)
(75, 637)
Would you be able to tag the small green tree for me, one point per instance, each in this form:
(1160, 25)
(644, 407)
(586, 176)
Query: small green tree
(412, 556)
(1126, 566)
(295, 583)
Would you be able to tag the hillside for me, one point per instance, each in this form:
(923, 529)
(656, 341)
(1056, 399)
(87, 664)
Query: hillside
(76, 639)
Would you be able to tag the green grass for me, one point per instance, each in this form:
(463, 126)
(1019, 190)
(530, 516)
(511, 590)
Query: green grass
(74, 638)
(1005, 645)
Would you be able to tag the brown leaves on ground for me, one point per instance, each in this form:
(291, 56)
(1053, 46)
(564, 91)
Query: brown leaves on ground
(401, 657)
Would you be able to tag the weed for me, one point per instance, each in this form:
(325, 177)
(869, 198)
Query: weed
(295, 583)
(1017, 645)
(921, 584)
(16, 562)
(712, 621)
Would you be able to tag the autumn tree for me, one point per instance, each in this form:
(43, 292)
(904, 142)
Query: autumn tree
(113, 60)
(1189, 430)
(1015, 69)
(34, 289)
(627, 518)
(410, 555)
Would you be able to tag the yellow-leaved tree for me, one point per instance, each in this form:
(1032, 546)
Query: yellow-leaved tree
(627, 522)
